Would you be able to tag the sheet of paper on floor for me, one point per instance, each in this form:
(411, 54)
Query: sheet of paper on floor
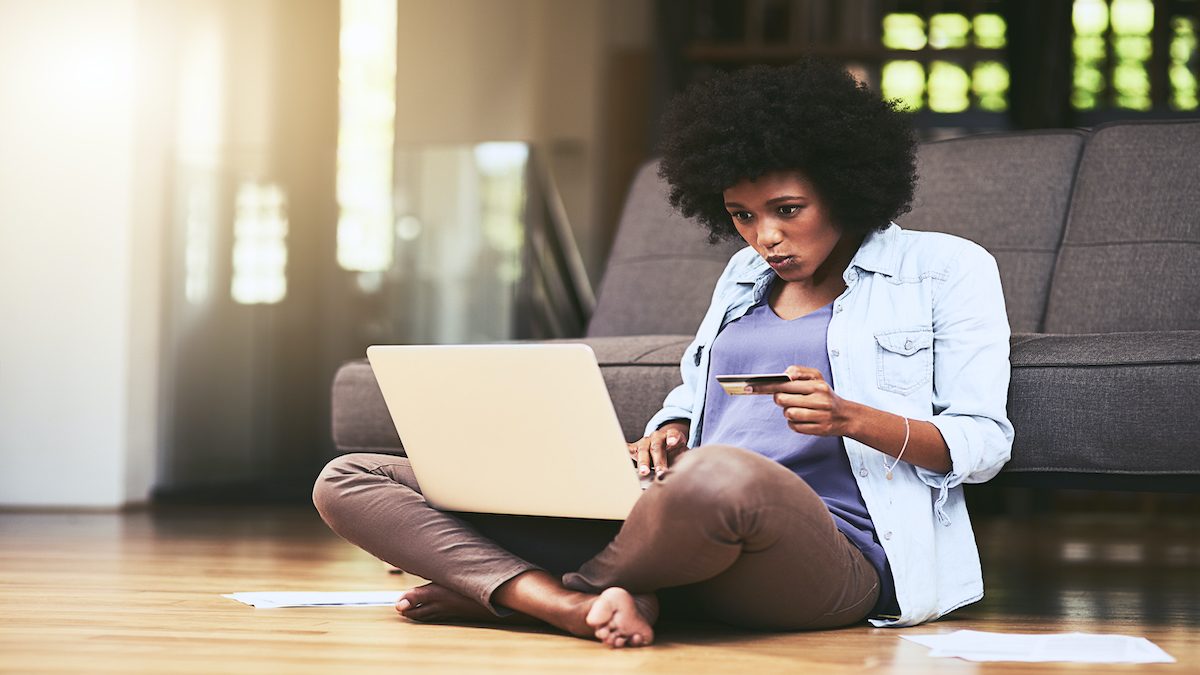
(1075, 647)
(271, 599)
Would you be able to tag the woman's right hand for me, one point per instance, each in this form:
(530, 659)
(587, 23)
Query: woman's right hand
(660, 448)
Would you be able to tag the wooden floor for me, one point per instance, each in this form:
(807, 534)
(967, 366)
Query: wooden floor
(140, 592)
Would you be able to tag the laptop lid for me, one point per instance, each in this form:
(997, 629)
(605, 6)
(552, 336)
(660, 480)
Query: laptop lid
(515, 429)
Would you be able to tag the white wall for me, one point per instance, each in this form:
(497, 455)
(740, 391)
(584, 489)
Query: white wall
(527, 70)
(69, 247)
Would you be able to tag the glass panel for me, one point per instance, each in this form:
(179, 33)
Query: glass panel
(990, 31)
(459, 243)
(1132, 17)
(949, 86)
(948, 31)
(904, 80)
(502, 197)
(1132, 21)
(1090, 18)
(903, 31)
(1183, 53)
(989, 81)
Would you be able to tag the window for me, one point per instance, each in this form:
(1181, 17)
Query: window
(960, 66)
(1183, 63)
(259, 244)
(1115, 48)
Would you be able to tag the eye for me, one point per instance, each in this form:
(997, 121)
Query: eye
(789, 209)
(741, 216)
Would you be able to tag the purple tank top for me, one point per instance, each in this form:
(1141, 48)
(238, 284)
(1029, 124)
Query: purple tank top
(761, 342)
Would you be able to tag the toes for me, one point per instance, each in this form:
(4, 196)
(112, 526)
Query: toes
(423, 613)
(617, 621)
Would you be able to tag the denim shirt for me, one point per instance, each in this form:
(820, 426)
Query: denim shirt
(920, 331)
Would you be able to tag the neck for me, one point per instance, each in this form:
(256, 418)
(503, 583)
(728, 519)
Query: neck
(839, 259)
(792, 298)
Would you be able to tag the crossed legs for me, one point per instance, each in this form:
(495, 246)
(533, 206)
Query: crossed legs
(746, 540)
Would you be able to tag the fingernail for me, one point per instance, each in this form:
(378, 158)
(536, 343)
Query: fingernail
(659, 472)
(403, 604)
(644, 470)
(749, 389)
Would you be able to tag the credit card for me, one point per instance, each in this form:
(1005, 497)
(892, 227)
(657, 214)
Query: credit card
(736, 384)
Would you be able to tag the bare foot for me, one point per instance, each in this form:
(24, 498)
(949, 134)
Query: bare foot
(437, 604)
(620, 620)
(615, 617)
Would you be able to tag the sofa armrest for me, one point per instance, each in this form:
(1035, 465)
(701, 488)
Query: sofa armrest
(1113, 403)
(361, 422)
(639, 371)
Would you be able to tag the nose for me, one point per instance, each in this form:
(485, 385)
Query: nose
(769, 233)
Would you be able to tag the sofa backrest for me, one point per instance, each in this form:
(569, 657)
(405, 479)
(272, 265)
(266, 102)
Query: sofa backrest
(1092, 233)
(1009, 193)
(1130, 257)
(661, 271)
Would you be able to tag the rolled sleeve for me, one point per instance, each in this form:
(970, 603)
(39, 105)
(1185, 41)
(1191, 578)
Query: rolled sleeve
(971, 371)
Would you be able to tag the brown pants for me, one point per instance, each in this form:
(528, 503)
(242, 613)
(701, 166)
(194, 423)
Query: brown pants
(732, 535)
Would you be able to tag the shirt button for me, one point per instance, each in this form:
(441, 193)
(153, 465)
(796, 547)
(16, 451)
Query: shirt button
(862, 472)
(836, 353)
(837, 309)
(887, 535)
(908, 344)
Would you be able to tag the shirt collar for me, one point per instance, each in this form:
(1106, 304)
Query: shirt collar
(876, 254)
(879, 251)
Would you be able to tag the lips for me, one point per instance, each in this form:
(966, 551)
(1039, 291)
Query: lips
(778, 261)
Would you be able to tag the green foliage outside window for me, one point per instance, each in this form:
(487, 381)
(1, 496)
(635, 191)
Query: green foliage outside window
(905, 80)
(1113, 48)
(948, 85)
(1183, 50)
(903, 31)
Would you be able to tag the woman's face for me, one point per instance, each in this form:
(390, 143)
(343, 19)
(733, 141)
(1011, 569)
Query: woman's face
(781, 216)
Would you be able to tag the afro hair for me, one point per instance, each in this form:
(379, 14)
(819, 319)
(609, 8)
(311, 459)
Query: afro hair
(813, 117)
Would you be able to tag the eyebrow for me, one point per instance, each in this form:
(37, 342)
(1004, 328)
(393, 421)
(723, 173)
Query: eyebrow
(774, 200)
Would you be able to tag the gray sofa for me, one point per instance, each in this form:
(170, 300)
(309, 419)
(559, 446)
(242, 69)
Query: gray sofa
(1097, 236)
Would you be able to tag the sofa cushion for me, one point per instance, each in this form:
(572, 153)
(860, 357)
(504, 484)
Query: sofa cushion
(1008, 193)
(639, 371)
(361, 422)
(1120, 403)
(1130, 259)
(661, 272)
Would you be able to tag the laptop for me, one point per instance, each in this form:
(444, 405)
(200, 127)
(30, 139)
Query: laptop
(510, 429)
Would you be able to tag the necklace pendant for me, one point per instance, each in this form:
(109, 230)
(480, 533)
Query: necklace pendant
(888, 475)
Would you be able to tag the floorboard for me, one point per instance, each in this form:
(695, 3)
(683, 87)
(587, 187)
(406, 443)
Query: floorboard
(140, 592)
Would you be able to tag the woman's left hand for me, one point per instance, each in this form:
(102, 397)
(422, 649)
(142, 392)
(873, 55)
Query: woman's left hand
(809, 404)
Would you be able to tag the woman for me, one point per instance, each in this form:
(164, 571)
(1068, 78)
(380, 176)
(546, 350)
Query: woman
(819, 502)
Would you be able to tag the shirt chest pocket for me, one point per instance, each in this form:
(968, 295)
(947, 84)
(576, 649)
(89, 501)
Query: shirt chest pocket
(904, 359)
